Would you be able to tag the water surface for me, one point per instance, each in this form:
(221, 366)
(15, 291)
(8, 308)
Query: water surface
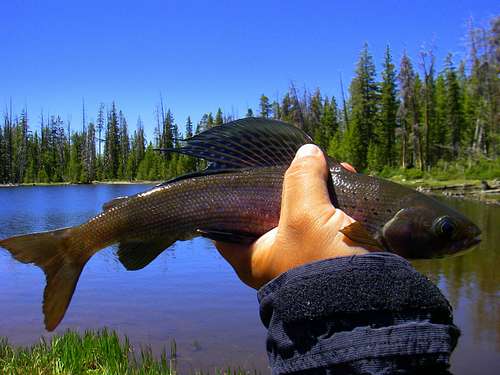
(191, 295)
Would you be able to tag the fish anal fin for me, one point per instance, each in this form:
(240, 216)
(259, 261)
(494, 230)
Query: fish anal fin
(137, 254)
(231, 237)
(357, 233)
(113, 203)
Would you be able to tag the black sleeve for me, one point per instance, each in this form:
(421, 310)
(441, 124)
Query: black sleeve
(367, 314)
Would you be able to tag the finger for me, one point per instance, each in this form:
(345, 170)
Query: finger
(348, 166)
(304, 187)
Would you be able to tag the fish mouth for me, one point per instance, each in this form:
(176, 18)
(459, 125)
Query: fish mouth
(473, 237)
(465, 246)
(474, 241)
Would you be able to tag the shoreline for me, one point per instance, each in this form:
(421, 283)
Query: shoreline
(485, 191)
(118, 182)
(478, 190)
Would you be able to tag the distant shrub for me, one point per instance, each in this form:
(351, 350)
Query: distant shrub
(480, 169)
(388, 172)
(484, 169)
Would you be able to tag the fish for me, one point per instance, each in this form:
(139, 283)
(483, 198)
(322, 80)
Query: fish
(237, 198)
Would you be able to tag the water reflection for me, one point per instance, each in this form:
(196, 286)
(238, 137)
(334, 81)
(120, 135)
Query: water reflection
(188, 294)
(471, 282)
(191, 295)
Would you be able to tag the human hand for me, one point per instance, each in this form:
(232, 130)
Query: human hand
(308, 228)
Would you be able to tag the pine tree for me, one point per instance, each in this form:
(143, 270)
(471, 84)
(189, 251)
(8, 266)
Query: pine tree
(187, 163)
(90, 157)
(167, 135)
(124, 145)
(149, 166)
(137, 151)
(386, 127)
(189, 128)
(112, 144)
(482, 98)
(101, 119)
(44, 170)
(210, 120)
(364, 103)
(427, 63)
(329, 125)
(219, 119)
(249, 112)
(409, 116)
(454, 108)
(416, 135)
(285, 108)
(297, 109)
(276, 110)
(202, 124)
(58, 148)
(265, 107)
(132, 159)
(75, 167)
(8, 146)
(315, 110)
(439, 130)
(20, 146)
(33, 162)
(175, 135)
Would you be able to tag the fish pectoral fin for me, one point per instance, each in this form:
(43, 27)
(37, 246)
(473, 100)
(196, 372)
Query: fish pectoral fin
(359, 234)
(137, 254)
(113, 203)
(231, 237)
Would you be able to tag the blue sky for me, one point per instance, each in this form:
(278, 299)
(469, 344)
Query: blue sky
(204, 54)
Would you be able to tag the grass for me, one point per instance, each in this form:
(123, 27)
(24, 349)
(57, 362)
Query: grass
(447, 173)
(460, 179)
(94, 352)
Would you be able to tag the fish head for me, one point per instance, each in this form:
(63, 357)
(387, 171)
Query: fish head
(428, 231)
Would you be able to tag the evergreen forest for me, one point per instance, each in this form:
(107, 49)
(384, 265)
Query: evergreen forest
(403, 117)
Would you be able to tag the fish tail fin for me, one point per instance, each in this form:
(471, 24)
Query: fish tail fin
(60, 257)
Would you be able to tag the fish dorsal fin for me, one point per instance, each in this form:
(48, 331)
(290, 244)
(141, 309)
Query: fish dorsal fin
(114, 202)
(248, 142)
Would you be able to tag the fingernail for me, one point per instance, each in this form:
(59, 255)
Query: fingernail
(308, 150)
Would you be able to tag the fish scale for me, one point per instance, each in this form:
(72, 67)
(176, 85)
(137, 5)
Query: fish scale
(363, 197)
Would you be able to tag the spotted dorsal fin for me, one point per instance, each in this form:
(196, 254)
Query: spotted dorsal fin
(245, 143)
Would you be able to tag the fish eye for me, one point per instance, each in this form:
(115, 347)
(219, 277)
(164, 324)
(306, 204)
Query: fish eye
(445, 227)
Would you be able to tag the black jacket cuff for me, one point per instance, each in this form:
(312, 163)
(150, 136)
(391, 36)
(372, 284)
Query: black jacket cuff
(368, 313)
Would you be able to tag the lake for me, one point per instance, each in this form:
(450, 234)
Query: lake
(189, 294)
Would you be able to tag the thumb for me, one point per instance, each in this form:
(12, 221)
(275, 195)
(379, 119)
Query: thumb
(305, 189)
